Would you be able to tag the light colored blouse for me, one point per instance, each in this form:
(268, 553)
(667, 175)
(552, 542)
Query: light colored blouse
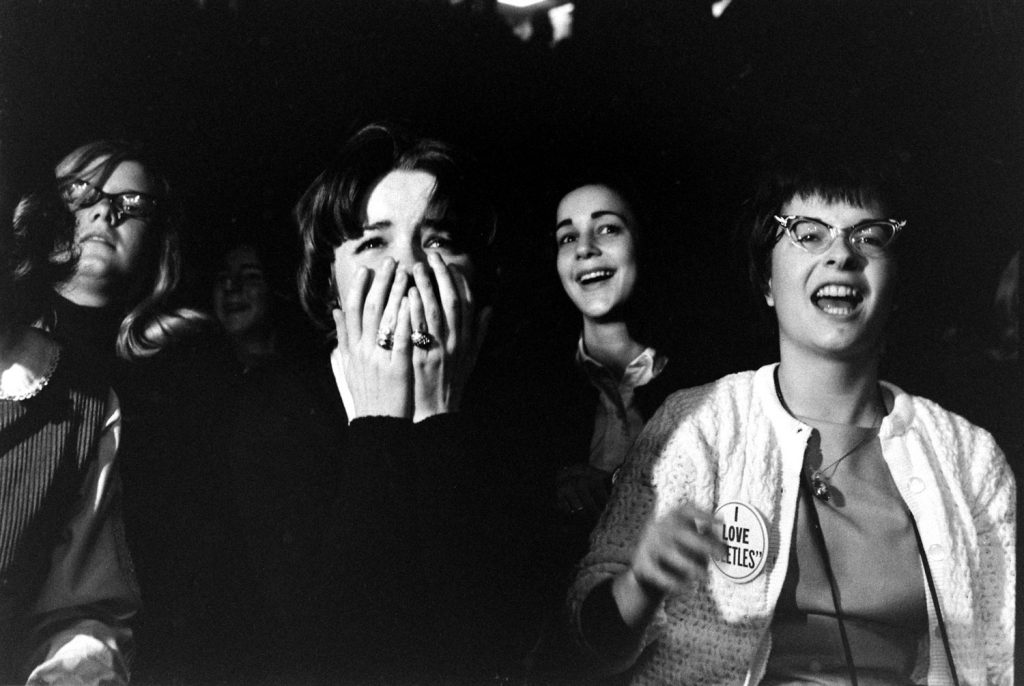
(617, 419)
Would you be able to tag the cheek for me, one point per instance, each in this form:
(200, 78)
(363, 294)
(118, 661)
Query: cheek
(563, 265)
(258, 297)
(134, 236)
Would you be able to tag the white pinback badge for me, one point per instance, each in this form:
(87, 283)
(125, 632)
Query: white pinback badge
(745, 534)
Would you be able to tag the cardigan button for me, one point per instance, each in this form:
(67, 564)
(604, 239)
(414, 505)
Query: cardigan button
(915, 485)
(937, 552)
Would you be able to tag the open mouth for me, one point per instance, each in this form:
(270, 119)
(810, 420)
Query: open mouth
(594, 276)
(235, 308)
(97, 238)
(837, 299)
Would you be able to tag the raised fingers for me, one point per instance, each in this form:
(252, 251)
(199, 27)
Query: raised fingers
(354, 304)
(451, 303)
(341, 329)
(377, 298)
(418, 321)
(403, 327)
(390, 318)
(433, 317)
(466, 303)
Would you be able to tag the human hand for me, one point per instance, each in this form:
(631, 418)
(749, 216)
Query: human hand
(673, 551)
(379, 379)
(442, 366)
(583, 488)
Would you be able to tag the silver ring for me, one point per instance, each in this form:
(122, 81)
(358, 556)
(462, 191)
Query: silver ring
(421, 339)
(385, 338)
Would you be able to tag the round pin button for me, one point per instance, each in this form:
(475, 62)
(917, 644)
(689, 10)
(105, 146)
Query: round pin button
(745, 534)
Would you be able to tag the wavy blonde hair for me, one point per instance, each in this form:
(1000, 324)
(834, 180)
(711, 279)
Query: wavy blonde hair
(152, 321)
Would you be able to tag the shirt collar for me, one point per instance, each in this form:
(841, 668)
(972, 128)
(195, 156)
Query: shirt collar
(644, 367)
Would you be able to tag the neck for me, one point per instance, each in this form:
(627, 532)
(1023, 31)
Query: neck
(86, 297)
(842, 392)
(610, 344)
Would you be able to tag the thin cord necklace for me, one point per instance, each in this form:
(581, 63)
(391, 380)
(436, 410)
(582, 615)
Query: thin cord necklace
(820, 477)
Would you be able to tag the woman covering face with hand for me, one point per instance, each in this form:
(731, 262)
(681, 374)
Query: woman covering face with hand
(808, 522)
(359, 471)
(408, 330)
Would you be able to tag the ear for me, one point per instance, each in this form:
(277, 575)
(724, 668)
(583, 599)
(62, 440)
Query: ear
(768, 297)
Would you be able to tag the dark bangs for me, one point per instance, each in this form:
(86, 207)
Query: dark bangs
(460, 202)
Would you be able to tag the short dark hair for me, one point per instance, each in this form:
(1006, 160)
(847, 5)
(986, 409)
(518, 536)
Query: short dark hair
(851, 174)
(650, 304)
(331, 210)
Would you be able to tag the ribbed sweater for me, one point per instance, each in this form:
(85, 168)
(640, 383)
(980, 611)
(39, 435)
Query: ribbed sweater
(733, 441)
(46, 443)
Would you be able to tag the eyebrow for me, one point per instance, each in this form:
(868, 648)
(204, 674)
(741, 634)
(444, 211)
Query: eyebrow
(427, 223)
(594, 215)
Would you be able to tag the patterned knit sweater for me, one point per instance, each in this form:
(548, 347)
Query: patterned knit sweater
(733, 441)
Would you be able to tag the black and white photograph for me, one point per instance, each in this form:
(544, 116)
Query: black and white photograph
(510, 342)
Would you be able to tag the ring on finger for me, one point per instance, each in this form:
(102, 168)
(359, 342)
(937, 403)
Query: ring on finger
(421, 339)
(385, 338)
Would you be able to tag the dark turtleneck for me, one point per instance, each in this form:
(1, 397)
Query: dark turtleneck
(88, 334)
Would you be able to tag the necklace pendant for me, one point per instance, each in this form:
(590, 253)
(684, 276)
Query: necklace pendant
(819, 486)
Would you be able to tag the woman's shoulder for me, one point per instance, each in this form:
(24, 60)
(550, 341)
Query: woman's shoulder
(911, 410)
(960, 448)
(713, 396)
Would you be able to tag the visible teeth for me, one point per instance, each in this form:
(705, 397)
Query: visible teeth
(836, 309)
(594, 275)
(837, 291)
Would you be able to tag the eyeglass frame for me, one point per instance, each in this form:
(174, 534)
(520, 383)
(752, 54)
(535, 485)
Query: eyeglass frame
(116, 199)
(786, 222)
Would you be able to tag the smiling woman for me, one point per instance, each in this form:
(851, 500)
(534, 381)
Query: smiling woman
(858, 485)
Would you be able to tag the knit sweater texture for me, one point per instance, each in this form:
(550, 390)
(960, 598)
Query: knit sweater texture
(732, 440)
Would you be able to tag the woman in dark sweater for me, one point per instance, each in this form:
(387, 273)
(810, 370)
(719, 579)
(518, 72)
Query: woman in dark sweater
(362, 475)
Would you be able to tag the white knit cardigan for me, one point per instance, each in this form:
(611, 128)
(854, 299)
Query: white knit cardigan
(733, 440)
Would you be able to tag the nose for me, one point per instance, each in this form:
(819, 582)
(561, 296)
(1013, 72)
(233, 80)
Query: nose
(586, 246)
(841, 253)
(407, 254)
(231, 283)
(102, 209)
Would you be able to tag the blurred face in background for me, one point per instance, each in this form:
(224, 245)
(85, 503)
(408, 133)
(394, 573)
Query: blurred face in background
(112, 242)
(241, 297)
(597, 234)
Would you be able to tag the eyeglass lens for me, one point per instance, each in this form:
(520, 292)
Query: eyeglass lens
(78, 193)
(870, 240)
